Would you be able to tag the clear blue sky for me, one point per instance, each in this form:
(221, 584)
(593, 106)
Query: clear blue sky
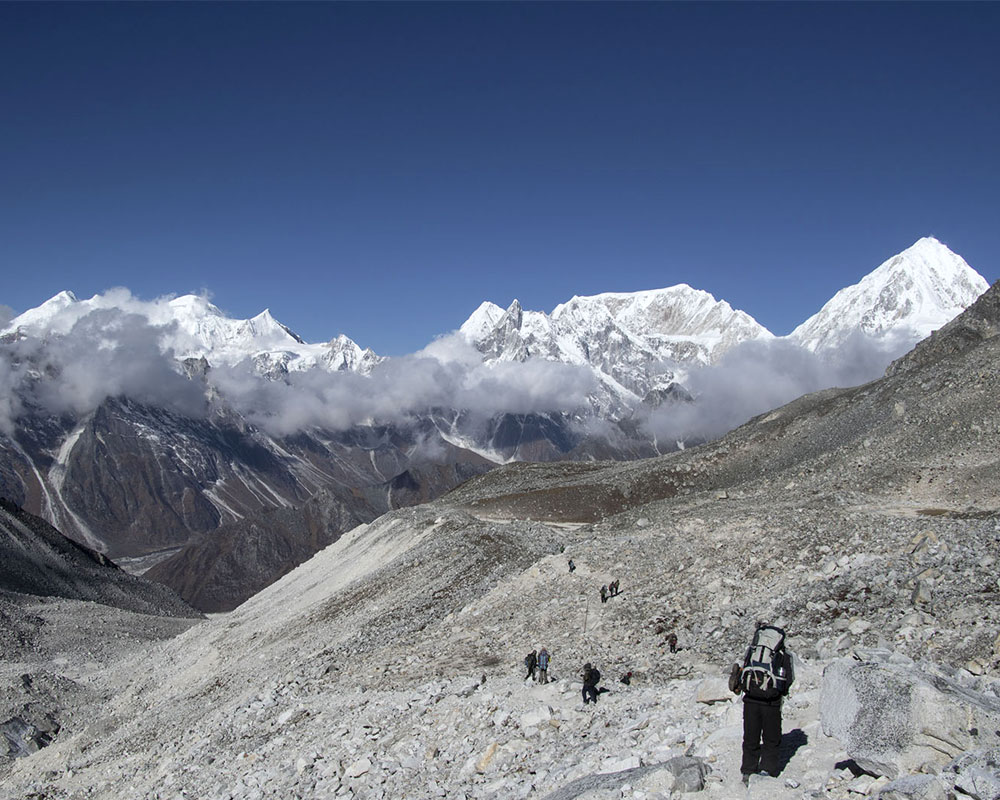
(380, 169)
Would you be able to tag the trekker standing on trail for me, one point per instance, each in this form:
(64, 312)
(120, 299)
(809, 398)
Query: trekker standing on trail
(604, 594)
(543, 666)
(672, 641)
(764, 679)
(591, 677)
(531, 661)
(572, 566)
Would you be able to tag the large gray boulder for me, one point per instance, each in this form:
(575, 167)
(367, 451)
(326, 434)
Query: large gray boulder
(892, 716)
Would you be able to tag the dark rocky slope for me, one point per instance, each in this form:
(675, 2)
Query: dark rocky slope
(35, 559)
(223, 568)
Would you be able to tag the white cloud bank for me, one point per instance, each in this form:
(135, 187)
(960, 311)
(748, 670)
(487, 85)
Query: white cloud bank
(448, 374)
(757, 376)
(110, 352)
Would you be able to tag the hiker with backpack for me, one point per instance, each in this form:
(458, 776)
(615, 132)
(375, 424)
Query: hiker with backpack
(531, 661)
(604, 594)
(543, 666)
(591, 677)
(763, 679)
(672, 641)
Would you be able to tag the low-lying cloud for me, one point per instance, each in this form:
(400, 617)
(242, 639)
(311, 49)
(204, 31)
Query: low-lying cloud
(446, 375)
(117, 348)
(757, 376)
(108, 352)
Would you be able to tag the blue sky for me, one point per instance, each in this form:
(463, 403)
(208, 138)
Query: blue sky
(380, 169)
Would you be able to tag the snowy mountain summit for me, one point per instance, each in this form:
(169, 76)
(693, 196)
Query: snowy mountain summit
(637, 344)
(192, 327)
(626, 338)
(908, 296)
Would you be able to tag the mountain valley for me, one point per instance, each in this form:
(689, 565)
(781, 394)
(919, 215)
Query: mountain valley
(218, 454)
(865, 521)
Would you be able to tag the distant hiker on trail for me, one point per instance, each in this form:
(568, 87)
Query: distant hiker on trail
(613, 587)
(604, 594)
(543, 666)
(763, 678)
(672, 641)
(591, 677)
(626, 678)
(531, 661)
(572, 566)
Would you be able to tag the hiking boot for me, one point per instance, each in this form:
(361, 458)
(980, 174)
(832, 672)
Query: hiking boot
(746, 778)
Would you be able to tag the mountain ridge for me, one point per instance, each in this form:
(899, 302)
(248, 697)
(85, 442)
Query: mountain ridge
(148, 457)
(934, 271)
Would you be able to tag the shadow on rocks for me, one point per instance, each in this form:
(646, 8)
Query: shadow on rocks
(790, 744)
(688, 776)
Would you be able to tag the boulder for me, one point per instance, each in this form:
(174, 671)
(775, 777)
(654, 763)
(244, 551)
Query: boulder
(915, 787)
(713, 690)
(619, 764)
(689, 773)
(487, 757)
(358, 768)
(977, 774)
(979, 783)
(536, 717)
(892, 718)
(22, 738)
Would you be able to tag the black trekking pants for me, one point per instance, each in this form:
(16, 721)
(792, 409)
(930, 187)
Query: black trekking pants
(589, 693)
(761, 721)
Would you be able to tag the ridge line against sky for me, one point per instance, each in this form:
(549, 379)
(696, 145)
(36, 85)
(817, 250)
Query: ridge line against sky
(379, 170)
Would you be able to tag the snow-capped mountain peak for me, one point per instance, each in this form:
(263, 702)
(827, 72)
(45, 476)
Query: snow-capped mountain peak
(482, 321)
(625, 338)
(41, 318)
(907, 296)
(342, 353)
(193, 327)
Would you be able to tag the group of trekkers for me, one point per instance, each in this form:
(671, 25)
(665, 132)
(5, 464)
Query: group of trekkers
(537, 662)
(537, 665)
(762, 678)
